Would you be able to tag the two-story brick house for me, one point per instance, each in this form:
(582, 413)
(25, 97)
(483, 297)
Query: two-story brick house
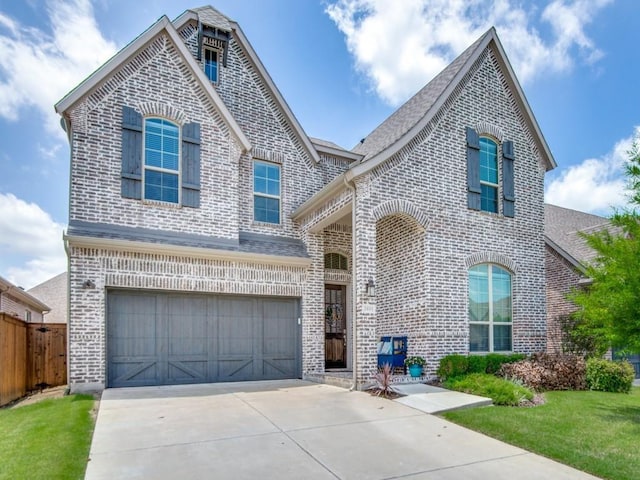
(210, 239)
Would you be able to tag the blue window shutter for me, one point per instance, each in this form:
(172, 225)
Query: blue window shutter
(473, 169)
(191, 165)
(131, 153)
(508, 187)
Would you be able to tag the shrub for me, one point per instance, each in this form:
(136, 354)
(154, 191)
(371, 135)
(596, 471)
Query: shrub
(501, 391)
(496, 360)
(453, 366)
(476, 364)
(384, 381)
(608, 376)
(544, 371)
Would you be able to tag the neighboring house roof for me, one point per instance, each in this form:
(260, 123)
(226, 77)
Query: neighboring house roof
(563, 228)
(163, 24)
(405, 123)
(17, 292)
(210, 16)
(54, 293)
(249, 246)
(325, 146)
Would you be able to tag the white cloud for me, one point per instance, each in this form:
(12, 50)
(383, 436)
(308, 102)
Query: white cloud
(595, 185)
(27, 231)
(37, 68)
(401, 45)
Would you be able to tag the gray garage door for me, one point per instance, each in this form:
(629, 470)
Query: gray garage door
(164, 339)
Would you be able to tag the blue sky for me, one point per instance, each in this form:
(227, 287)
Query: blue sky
(342, 66)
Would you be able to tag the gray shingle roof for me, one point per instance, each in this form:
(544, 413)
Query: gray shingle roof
(562, 227)
(247, 242)
(212, 17)
(409, 114)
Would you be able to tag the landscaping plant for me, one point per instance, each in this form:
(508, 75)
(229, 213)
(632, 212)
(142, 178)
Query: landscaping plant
(501, 391)
(608, 376)
(545, 371)
(384, 381)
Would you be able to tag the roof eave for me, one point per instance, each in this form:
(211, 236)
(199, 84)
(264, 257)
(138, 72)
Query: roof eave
(24, 297)
(302, 136)
(170, 249)
(330, 190)
(336, 152)
(533, 123)
(564, 254)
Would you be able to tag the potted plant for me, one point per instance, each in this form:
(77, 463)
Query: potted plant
(415, 364)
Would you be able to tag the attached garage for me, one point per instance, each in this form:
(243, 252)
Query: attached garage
(158, 338)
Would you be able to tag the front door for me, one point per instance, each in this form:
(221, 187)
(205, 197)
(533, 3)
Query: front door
(335, 326)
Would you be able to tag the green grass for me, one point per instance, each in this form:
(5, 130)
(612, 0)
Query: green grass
(596, 432)
(46, 440)
(501, 391)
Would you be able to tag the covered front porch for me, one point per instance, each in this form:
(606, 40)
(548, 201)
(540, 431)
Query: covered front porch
(372, 260)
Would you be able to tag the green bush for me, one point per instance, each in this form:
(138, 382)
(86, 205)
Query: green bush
(501, 391)
(456, 365)
(496, 360)
(477, 364)
(453, 365)
(608, 376)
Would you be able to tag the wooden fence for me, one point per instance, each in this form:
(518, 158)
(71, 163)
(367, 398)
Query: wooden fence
(32, 356)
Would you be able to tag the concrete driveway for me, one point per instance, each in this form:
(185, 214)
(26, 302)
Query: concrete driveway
(291, 430)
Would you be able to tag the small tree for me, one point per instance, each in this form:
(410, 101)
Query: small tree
(609, 312)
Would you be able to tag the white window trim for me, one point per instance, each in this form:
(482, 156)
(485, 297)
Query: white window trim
(265, 195)
(491, 323)
(160, 169)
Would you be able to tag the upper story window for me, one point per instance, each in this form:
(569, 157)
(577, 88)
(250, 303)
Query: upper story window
(161, 160)
(211, 64)
(483, 174)
(490, 309)
(488, 175)
(335, 261)
(266, 192)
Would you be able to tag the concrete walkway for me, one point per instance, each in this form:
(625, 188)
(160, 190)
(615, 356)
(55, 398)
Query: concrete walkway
(430, 399)
(291, 430)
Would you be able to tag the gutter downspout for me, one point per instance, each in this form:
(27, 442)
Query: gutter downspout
(354, 286)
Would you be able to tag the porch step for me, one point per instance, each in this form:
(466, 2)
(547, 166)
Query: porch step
(335, 380)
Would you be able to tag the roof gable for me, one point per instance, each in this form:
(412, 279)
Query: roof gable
(212, 17)
(128, 52)
(404, 124)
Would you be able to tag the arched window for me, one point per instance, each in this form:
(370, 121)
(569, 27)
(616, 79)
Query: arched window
(490, 309)
(488, 175)
(335, 261)
(161, 160)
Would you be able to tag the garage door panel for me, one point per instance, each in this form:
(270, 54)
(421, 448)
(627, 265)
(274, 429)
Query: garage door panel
(157, 338)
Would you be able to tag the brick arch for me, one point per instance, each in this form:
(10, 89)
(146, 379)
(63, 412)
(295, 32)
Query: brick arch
(486, 128)
(162, 110)
(491, 257)
(401, 207)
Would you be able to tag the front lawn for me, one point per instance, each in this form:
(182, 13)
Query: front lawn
(592, 431)
(48, 439)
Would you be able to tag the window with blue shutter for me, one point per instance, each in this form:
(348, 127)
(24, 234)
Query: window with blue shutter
(508, 181)
(161, 160)
(488, 175)
(171, 164)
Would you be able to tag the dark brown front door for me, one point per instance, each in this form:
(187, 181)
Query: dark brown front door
(335, 326)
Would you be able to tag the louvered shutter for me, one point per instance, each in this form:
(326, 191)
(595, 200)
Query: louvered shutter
(473, 169)
(131, 153)
(508, 187)
(191, 165)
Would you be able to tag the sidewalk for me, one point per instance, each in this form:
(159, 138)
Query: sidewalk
(430, 399)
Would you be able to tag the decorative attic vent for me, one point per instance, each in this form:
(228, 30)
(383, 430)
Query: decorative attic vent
(335, 261)
(215, 38)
